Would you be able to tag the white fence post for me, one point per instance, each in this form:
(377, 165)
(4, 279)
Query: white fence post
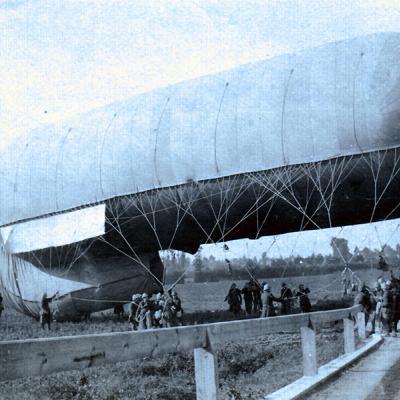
(309, 347)
(206, 373)
(361, 325)
(349, 342)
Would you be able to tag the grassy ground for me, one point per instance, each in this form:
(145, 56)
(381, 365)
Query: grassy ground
(247, 370)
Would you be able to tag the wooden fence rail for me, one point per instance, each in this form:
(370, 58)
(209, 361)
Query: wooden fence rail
(23, 358)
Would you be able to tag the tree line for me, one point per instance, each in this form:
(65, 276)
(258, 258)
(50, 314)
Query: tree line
(211, 269)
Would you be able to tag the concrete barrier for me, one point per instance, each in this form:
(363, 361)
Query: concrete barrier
(23, 358)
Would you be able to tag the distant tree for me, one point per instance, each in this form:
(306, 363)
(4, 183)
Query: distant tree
(340, 249)
(198, 268)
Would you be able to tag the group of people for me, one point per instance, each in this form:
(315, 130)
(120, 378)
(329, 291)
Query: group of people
(163, 311)
(259, 300)
(381, 305)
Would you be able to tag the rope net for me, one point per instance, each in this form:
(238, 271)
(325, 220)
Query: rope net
(293, 198)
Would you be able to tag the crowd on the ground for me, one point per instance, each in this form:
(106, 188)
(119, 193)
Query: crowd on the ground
(165, 310)
(259, 301)
(381, 305)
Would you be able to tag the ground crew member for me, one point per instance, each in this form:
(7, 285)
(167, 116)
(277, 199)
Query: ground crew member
(176, 308)
(286, 298)
(377, 296)
(158, 311)
(247, 293)
(346, 280)
(304, 301)
(167, 317)
(45, 312)
(234, 299)
(363, 298)
(396, 308)
(133, 306)
(256, 296)
(143, 313)
(387, 309)
(268, 299)
(1, 305)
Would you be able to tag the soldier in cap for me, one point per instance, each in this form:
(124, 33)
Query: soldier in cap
(267, 298)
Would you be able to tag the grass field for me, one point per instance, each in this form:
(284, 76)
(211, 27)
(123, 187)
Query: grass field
(247, 370)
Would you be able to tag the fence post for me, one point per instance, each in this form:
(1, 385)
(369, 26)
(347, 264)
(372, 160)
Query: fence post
(309, 347)
(349, 342)
(361, 325)
(206, 372)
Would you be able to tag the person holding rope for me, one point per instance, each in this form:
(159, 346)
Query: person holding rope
(286, 299)
(234, 299)
(158, 311)
(176, 309)
(1, 304)
(268, 299)
(247, 293)
(304, 301)
(143, 313)
(45, 312)
(256, 287)
(133, 306)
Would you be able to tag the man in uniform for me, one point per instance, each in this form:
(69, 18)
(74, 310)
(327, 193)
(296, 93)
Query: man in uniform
(256, 288)
(387, 309)
(143, 313)
(286, 298)
(234, 299)
(304, 301)
(45, 312)
(247, 293)
(133, 306)
(176, 308)
(267, 298)
(1, 304)
(364, 299)
(158, 311)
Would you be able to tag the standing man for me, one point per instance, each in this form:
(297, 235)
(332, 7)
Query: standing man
(143, 313)
(247, 293)
(1, 304)
(387, 309)
(286, 299)
(267, 298)
(234, 299)
(133, 306)
(256, 288)
(176, 308)
(304, 301)
(45, 312)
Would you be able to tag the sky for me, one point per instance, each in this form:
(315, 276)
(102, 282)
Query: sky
(59, 58)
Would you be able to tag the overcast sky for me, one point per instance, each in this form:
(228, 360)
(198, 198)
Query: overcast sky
(60, 58)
